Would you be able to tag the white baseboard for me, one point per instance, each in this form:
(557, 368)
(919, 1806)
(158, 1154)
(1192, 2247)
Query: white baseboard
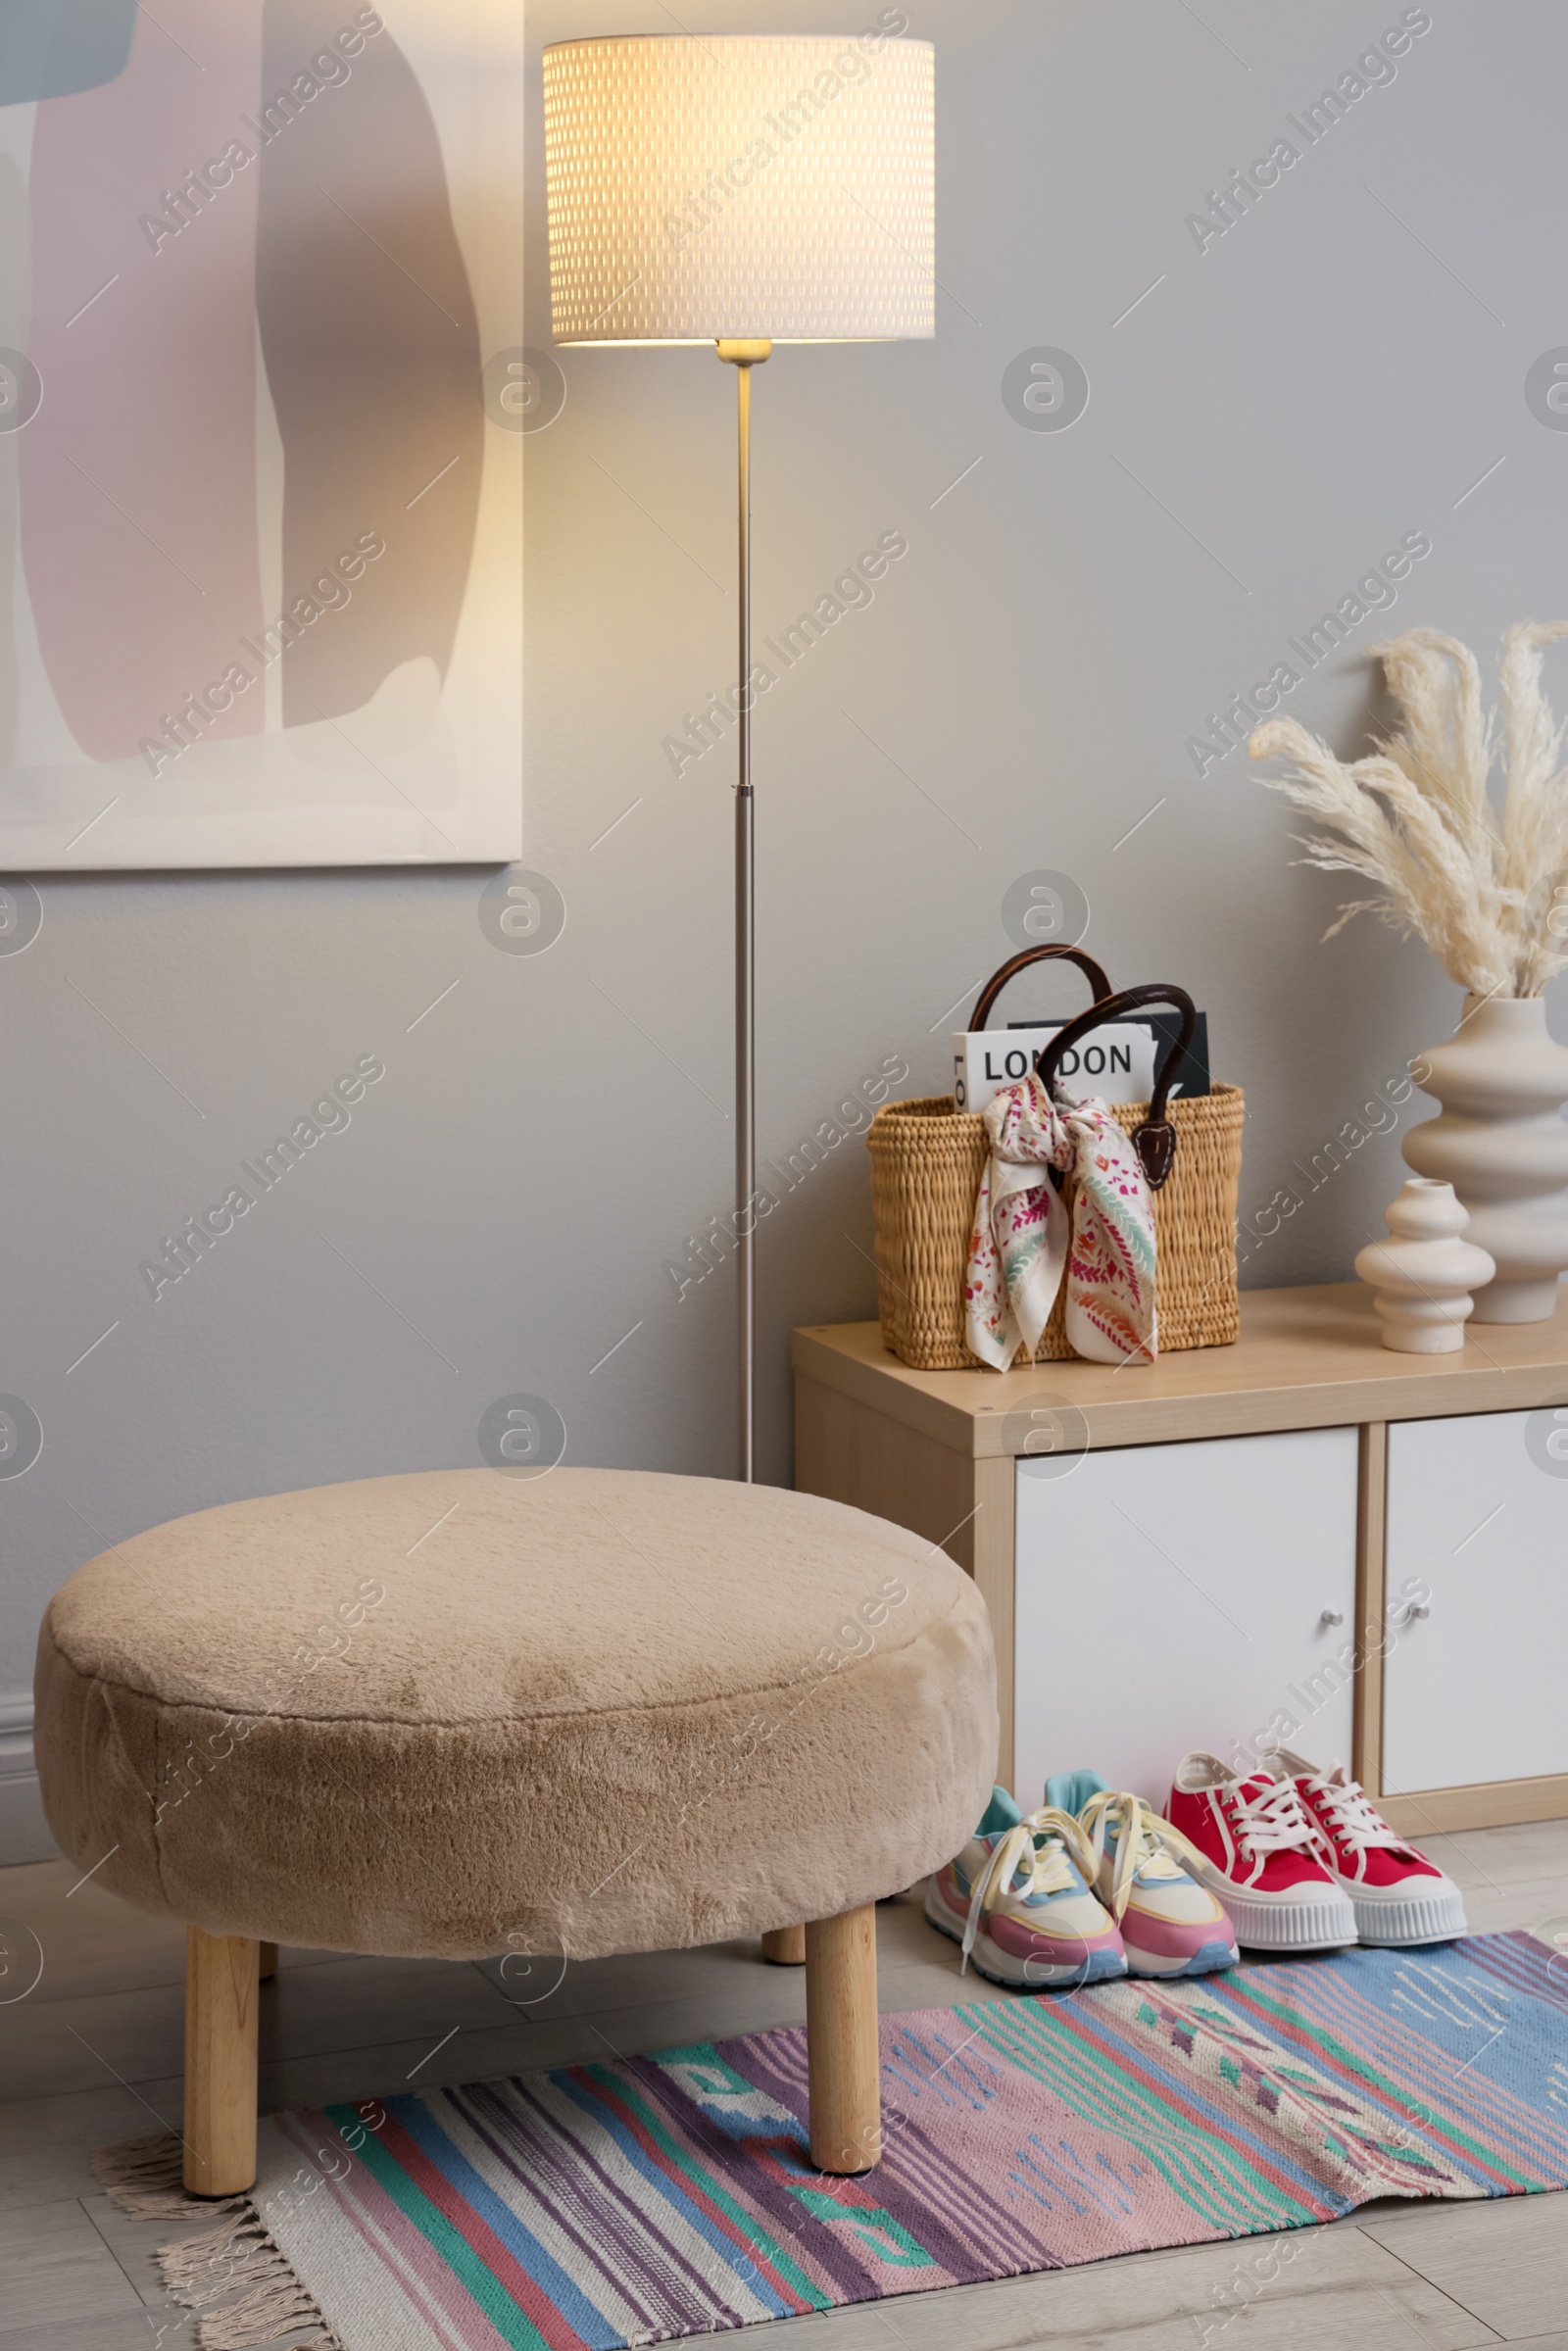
(23, 1832)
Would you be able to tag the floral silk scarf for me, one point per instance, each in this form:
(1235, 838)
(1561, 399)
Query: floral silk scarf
(1020, 1242)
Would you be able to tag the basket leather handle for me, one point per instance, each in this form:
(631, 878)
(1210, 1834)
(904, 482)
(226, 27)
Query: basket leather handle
(985, 1002)
(1155, 1140)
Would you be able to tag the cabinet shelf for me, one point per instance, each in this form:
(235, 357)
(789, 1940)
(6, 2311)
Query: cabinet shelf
(1352, 1516)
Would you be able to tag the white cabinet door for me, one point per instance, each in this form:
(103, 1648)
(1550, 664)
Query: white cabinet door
(1172, 1597)
(1478, 1689)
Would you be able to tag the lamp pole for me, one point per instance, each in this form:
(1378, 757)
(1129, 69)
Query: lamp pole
(836, 248)
(743, 355)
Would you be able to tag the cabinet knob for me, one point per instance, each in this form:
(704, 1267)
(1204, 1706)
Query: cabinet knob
(1332, 1616)
(1418, 1609)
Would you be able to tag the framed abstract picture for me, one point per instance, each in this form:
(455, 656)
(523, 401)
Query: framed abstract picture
(259, 471)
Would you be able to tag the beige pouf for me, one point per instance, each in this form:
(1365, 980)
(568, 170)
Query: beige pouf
(462, 1712)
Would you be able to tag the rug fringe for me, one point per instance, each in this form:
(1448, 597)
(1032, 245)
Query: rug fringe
(202, 2273)
(144, 2180)
(201, 2269)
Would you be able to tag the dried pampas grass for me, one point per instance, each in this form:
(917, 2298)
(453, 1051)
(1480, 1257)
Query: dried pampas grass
(1472, 876)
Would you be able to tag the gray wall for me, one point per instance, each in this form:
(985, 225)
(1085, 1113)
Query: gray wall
(1283, 408)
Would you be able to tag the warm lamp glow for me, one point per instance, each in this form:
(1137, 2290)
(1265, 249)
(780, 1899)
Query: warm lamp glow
(740, 185)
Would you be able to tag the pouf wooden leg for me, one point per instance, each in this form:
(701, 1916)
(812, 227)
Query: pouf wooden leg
(267, 1964)
(785, 1946)
(843, 2071)
(220, 2063)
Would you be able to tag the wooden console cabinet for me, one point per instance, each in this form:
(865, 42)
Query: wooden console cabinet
(1302, 1533)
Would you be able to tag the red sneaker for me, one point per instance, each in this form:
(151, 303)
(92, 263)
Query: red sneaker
(1398, 1895)
(1262, 1857)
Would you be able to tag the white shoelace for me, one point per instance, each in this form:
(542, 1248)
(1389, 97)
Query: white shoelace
(1045, 1868)
(1274, 1819)
(1346, 1803)
(1145, 1842)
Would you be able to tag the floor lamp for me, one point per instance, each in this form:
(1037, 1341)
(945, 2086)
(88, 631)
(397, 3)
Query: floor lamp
(741, 190)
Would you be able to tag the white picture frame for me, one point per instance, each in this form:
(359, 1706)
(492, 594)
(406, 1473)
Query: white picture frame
(260, 496)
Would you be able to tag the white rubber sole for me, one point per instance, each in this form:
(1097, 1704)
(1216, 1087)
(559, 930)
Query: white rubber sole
(1325, 1923)
(1414, 1919)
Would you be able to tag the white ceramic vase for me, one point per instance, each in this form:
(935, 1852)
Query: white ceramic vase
(1425, 1274)
(1503, 1144)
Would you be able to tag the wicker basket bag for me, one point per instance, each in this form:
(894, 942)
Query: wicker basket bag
(926, 1164)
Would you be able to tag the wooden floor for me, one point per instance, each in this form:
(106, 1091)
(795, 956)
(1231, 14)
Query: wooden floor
(93, 2055)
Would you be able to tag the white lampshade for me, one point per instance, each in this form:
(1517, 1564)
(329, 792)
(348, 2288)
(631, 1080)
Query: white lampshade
(739, 186)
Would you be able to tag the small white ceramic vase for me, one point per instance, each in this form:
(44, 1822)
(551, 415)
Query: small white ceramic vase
(1424, 1276)
(1503, 1144)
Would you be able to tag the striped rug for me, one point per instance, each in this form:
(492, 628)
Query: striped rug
(604, 2205)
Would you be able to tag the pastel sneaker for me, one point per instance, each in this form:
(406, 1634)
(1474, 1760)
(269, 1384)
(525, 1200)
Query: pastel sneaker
(1017, 1902)
(1170, 1924)
(1398, 1895)
(1260, 1852)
